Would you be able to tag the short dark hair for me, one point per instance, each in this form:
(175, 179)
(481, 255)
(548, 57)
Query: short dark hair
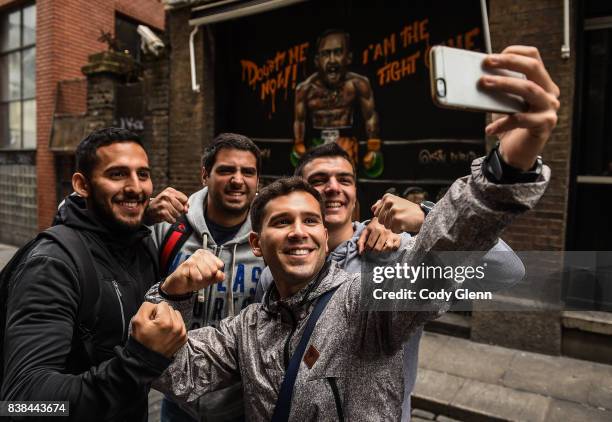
(86, 157)
(229, 141)
(331, 149)
(280, 187)
(334, 31)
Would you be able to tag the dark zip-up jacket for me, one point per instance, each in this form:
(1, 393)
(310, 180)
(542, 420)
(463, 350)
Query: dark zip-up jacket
(43, 356)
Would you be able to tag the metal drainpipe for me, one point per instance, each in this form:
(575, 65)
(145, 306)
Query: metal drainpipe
(195, 86)
(485, 26)
(565, 48)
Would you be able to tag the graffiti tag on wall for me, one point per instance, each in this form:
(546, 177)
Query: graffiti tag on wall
(279, 72)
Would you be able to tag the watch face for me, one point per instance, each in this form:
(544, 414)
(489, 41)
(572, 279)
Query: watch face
(427, 206)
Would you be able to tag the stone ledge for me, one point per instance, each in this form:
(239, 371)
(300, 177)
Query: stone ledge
(590, 321)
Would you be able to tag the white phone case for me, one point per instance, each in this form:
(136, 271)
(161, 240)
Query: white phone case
(454, 75)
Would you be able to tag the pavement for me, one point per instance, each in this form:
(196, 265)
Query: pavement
(460, 380)
(6, 252)
(472, 381)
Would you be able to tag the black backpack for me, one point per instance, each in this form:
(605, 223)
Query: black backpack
(72, 242)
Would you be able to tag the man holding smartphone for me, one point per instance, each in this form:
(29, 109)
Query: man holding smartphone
(250, 346)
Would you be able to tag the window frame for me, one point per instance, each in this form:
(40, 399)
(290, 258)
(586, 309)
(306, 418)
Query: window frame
(21, 100)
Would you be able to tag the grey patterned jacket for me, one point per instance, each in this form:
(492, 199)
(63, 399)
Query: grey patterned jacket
(358, 373)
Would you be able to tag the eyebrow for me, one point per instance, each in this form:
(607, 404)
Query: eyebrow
(126, 168)
(321, 173)
(287, 214)
(230, 166)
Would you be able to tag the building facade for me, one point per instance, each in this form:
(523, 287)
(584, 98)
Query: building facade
(42, 43)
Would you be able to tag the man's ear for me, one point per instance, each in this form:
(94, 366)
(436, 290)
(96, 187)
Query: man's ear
(80, 185)
(255, 244)
(204, 175)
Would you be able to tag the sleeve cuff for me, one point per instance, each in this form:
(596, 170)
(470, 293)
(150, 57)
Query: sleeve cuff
(153, 359)
(173, 298)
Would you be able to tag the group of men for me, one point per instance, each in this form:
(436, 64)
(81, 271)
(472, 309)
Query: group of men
(303, 349)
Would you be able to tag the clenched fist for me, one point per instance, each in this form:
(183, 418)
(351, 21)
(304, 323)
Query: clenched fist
(376, 238)
(199, 271)
(398, 214)
(167, 206)
(159, 328)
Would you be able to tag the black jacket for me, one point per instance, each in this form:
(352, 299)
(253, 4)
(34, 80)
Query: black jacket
(43, 357)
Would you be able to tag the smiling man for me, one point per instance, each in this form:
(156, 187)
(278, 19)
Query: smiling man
(217, 219)
(329, 170)
(58, 344)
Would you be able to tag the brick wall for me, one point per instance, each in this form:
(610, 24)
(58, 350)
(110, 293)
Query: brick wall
(149, 12)
(187, 129)
(156, 72)
(8, 3)
(540, 23)
(67, 33)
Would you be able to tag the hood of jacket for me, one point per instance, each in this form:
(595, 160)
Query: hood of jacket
(346, 254)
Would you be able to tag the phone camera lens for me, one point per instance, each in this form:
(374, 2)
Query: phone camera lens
(440, 87)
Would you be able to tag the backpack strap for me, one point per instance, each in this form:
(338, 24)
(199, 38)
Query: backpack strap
(283, 403)
(5, 278)
(173, 242)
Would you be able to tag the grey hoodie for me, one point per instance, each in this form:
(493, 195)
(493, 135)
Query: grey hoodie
(242, 268)
(242, 271)
(354, 344)
(503, 266)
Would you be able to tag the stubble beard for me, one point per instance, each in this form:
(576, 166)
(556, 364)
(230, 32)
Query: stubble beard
(107, 218)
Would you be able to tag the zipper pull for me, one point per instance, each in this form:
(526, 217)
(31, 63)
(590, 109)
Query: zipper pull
(117, 288)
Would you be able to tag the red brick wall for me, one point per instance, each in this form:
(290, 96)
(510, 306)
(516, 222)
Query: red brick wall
(540, 23)
(188, 131)
(149, 12)
(67, 34)
(8, 2)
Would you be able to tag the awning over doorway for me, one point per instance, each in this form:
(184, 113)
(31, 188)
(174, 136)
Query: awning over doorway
(223, 10)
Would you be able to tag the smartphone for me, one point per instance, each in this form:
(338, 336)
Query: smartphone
(454, 75)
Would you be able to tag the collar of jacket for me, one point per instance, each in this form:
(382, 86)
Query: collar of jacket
(73, 212)
(299, 303)
(195, 216)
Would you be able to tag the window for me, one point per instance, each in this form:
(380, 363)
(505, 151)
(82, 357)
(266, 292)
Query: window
(125, 32)
(18, 78)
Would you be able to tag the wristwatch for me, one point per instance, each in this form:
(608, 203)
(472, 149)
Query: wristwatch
(427, 206)
(496, 170)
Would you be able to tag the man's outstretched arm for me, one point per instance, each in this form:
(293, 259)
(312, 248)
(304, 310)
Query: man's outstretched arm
(471, 216)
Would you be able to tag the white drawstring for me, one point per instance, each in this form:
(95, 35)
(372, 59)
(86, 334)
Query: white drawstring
(230, 292)
(202, 292)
